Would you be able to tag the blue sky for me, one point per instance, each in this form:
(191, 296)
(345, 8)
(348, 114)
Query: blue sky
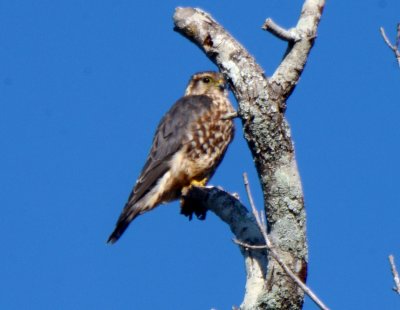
(83, 85)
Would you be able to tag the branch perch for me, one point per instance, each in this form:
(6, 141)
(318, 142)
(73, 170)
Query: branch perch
(243, 225)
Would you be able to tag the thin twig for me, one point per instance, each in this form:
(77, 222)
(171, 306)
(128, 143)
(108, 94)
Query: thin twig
(249, 246)
(396, 277)
(280, 32)
(394, 48)
(275, 254)
(263, 220)
(386, 39)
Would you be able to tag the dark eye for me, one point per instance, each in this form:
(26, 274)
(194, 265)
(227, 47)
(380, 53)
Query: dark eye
(206, 80)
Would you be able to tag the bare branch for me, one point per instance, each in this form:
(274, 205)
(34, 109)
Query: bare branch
(275, 255)
(398, 35)
(386, 39)
(394, 48)
(242, 224)
(279, 32)
(249, 246)
(396, 277)
(288, 72)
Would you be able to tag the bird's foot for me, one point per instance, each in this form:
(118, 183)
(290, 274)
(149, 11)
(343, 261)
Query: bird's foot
(189, 204)
(200, 183)
(193, 183)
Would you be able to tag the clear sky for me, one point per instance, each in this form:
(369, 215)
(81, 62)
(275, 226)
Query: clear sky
(83, 85)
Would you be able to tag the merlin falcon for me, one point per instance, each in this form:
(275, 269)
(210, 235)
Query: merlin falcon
(190, 142)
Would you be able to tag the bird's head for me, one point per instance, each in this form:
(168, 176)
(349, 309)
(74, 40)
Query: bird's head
(207, 83)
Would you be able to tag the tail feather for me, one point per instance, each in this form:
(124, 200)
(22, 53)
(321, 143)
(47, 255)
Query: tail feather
(135, 207)
(129, 213)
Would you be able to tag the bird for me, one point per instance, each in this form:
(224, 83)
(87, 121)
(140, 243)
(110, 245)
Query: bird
(188, 145)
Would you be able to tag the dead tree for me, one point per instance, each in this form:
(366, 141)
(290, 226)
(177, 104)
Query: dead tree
(262, 106)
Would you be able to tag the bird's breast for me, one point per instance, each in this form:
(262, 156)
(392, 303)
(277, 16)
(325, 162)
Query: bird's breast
(209, 137)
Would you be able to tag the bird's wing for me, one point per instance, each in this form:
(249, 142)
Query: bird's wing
(170, 136)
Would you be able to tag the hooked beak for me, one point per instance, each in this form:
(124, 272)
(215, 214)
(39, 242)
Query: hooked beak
(221, 84)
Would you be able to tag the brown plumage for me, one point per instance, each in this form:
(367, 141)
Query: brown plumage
(189, 143)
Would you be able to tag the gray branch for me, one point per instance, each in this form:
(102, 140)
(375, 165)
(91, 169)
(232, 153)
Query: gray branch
(281, 33)
(243, 225)
(393, 47)
(262, 103)
(395, 273)
(287, 75)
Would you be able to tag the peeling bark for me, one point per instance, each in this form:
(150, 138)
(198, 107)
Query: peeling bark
(262, 103)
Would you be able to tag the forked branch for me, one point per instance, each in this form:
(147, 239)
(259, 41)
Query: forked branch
(393, 47)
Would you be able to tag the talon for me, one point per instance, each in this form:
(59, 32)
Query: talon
(185, 190)
(200, 183)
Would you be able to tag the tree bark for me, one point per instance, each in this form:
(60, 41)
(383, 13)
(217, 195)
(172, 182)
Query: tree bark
(262, 104)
